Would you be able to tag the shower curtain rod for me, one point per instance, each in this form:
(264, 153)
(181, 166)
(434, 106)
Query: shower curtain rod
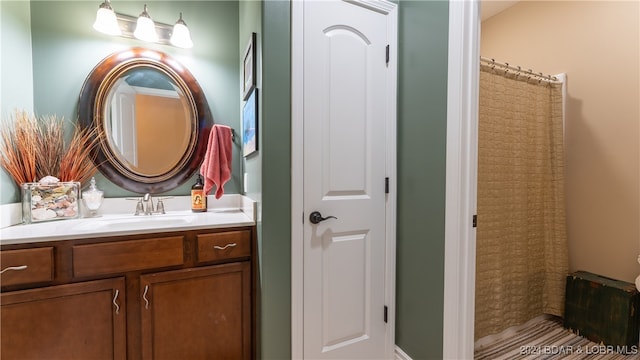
(518, 69)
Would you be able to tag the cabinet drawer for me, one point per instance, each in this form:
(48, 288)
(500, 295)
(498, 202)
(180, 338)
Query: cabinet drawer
(123, 256)
(224, 245)
(38, 262)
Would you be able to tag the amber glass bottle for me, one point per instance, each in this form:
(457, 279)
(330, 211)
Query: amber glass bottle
(198, 197)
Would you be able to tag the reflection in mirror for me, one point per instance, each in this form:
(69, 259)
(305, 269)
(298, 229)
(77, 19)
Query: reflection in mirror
(153, 119)
(147, 121)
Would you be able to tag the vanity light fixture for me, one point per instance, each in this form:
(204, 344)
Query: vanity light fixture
(142, 27)
(106, 21)
(181, 36)
(145, 28)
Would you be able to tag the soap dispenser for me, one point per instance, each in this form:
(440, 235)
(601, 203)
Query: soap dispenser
(198, 197)
(93, 198)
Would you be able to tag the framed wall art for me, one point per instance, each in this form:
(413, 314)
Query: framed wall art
(249, 67)
(250, 124)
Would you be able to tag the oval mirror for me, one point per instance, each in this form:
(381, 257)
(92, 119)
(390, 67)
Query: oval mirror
(152, 117)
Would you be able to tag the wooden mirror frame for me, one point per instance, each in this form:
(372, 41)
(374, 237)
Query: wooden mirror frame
(93, 95)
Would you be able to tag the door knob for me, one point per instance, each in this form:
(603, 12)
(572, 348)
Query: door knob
(315, 217)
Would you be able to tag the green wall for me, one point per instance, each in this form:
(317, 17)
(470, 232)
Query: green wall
(16, 74)
(275, 294)
(15, 57)
(251, 21)
(422, 120)
(65, 52)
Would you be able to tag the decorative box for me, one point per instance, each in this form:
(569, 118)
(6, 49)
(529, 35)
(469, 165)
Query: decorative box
(46, 202)
(601, 309)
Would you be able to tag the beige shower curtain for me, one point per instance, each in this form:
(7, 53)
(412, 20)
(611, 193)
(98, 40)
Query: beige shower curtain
(521, 245)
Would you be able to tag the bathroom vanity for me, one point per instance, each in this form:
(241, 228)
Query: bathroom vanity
(183, 291)
(179, 285)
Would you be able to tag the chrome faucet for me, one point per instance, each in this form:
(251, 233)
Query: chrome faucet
(148, 201)
(145, 205)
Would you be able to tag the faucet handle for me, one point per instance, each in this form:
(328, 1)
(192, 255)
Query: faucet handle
(139, 207)
(160, 206)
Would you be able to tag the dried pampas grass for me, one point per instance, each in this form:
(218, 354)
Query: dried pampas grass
(19, 143)
(77, 163)
(33, 148)
(50, 145)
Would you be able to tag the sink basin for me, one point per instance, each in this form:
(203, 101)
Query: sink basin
(134, 223)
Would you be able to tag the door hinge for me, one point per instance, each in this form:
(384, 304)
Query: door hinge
(386, 313)
(386, 185)
(387, 54)
(475, 221)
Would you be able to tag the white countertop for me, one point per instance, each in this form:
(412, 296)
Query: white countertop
(229, 211)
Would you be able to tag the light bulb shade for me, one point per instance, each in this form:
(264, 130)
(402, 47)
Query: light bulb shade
(106, 21)
(181, 36)
(146, 29)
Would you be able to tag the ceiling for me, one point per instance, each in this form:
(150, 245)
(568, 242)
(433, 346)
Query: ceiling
(488, 8)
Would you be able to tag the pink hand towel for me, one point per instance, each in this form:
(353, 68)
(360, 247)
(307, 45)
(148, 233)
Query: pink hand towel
(216, 167)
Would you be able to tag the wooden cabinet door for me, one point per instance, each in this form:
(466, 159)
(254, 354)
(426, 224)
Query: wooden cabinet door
(199, 313)
(75, 321)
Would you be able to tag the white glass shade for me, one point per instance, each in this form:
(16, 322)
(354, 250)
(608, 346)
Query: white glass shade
(106, 22)
(146, 30)
(181, 36)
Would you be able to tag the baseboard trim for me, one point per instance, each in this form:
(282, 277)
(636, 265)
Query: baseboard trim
(401, 355)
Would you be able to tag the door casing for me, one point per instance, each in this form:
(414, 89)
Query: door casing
(461, 175)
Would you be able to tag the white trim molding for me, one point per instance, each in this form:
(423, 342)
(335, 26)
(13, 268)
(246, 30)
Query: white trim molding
(401, 355)
(297, 179)
(381, 6)
(391, 173)
(461, 175)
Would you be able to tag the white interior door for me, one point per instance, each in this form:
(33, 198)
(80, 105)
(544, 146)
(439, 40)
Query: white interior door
(346, 114)
(123, 122)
